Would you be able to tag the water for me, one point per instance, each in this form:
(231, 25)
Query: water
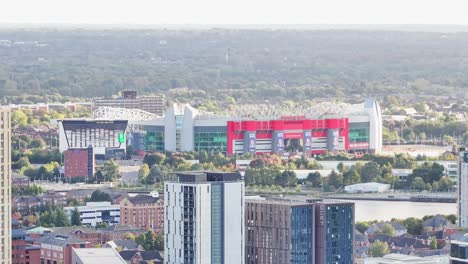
(386, 210)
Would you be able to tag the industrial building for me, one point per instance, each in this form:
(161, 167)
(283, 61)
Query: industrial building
(204, 218)
(367, 187)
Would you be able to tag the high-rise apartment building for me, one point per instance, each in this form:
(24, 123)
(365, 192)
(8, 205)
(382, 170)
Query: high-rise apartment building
(129, 100)
(334, 231)
(5, 186)
(279, 232)
(459, 251)
(463, 188)
(204, 218)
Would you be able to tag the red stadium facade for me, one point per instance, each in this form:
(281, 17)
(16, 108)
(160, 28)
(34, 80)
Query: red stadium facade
(276, 136)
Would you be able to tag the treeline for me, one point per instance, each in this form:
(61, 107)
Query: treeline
(426, 176)
(246, 64)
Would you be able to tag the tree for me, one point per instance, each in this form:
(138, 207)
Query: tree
(110, 170)
(445, 183)
(362, 226)
(370, 171)
(351, 176)
(158, 242)
(99, 177)
(257, 164)
(143, 172)
(23, 162)
(75, 218)
(102, 225)
(37, 143)
(314, 165)
(155, 175)
(100, 196)
(335, 179)
(379, 249)
(19, 118)
(315, 179)
(54, 218)
(154, 158)
(287, 179)
(434, 243)
(387, 229)
(413, 225)
(418, 183)
(341, 167)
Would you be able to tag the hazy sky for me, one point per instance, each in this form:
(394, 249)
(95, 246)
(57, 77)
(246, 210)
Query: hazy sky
(235, 11)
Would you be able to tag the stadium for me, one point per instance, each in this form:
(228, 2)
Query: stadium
(260, 129)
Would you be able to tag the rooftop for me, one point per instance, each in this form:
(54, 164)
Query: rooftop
(207, 176)
(61, 240)
(98, 256)
(278, 201)
(151, 255)
(143, 199)
(122, 228)
(72, 229)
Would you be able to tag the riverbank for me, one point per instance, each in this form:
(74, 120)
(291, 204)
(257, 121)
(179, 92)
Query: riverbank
(419, 198)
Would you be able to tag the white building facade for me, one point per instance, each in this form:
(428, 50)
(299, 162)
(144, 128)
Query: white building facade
(96, 212)
(204, 219)
(463, 189)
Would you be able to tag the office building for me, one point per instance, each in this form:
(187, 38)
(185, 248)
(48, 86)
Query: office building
(129, 100)
(463, 188)
(79, 163)
(96, 256)
(96, 212)
(334, 232)
(143, 211)
(204, 218)
(279, 232)
(5, 185)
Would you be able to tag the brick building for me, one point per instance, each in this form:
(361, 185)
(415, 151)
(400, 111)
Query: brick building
(83, 232)
(51, 198)
(57, 248)
(120, 231)
(23, 252)
(26, 204)
(79, 163)
(79, 195)
(143, 211)
(20, 181)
